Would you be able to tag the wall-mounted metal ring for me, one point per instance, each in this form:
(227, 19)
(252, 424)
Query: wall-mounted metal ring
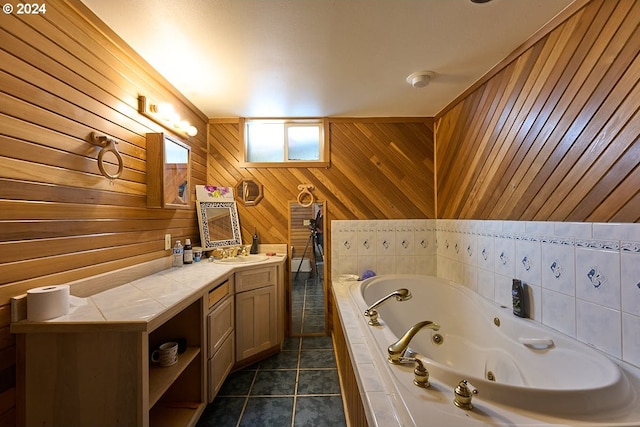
(108, 145)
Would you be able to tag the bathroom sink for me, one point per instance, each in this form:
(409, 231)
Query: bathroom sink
(241, 259)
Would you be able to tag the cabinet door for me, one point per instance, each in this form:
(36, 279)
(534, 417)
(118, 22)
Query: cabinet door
(255, 321)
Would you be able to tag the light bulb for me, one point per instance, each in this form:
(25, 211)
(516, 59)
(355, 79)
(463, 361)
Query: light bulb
(192, 130)
(165, 111)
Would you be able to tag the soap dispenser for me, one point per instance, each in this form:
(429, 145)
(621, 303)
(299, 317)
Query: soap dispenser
(254, 244)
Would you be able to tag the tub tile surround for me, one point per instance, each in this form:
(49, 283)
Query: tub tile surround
(583, 278)
(384, 246)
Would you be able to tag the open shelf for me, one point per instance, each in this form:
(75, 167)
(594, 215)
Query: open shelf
(169, 416)
(161, 378)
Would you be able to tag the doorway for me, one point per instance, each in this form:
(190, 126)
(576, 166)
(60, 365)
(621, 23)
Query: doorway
(307, 287)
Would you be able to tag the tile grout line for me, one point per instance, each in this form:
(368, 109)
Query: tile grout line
(295, 390)
(246, 399)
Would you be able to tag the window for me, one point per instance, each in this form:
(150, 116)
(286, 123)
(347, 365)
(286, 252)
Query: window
(285, 143)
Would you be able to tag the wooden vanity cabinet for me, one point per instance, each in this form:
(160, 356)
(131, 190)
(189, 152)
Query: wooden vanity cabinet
(256, 311)
(100, 374)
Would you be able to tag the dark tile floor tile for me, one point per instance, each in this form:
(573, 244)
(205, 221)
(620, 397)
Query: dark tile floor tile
(317, 311)
(317, 342)
(223, 412)
(314, 292)
(268, 412)
(319, 411)
(283, 360)
(274, 383)
(314, 303)
(291, 343)
(313, 324)
(296, 326)
(318, 382)
(238, 383)
(317, 358)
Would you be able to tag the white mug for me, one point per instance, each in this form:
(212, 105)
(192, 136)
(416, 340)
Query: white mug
(166, 354)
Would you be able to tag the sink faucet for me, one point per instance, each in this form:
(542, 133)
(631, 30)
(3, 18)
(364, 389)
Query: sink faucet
(371, 312)
(397, 349)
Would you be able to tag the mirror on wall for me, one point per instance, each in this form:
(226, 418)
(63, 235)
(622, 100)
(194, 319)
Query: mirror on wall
(219, 224)
(168, 172)
(307, 287)
(248, 192)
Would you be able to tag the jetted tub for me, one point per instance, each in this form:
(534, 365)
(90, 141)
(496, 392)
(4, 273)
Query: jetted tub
(512, 362)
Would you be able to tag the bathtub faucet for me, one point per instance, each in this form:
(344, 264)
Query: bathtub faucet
(371, 312)
(397, 349)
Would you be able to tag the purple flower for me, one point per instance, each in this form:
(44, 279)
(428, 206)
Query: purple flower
(215, 191)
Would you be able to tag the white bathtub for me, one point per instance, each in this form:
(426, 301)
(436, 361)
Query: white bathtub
(525, 373)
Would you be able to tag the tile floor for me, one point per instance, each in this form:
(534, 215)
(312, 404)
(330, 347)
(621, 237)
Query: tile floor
(307, 305)
(297, 387)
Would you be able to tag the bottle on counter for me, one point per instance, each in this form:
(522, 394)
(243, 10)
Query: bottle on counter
(178, 254)
(188, 252)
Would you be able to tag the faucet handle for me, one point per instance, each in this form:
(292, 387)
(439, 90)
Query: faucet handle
(462, 395)
(372, 314)
(420, 373)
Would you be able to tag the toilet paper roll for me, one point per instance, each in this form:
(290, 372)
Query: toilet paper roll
(47, 302)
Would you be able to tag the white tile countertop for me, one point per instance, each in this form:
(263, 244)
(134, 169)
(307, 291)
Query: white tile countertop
(144, 301)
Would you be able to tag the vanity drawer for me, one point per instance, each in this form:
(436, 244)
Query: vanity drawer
(217, 294)
(255, 278)
(220, 324)
(220, 365)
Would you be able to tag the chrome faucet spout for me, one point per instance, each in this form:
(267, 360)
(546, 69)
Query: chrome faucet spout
(397, 349)
(371, 312)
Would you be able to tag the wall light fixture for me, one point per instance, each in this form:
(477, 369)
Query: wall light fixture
(165, 115)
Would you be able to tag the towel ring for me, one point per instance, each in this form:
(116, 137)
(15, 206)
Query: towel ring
(108, 145)
(305, 193)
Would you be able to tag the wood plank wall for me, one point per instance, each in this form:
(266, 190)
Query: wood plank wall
(380, 169)
(554, 135)
(63, 75)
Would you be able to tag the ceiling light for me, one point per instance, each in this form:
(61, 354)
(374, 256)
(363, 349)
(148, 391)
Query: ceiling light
(420, 78)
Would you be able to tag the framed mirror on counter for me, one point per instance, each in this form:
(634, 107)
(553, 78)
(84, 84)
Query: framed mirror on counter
(168, 172)
(219, 224)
